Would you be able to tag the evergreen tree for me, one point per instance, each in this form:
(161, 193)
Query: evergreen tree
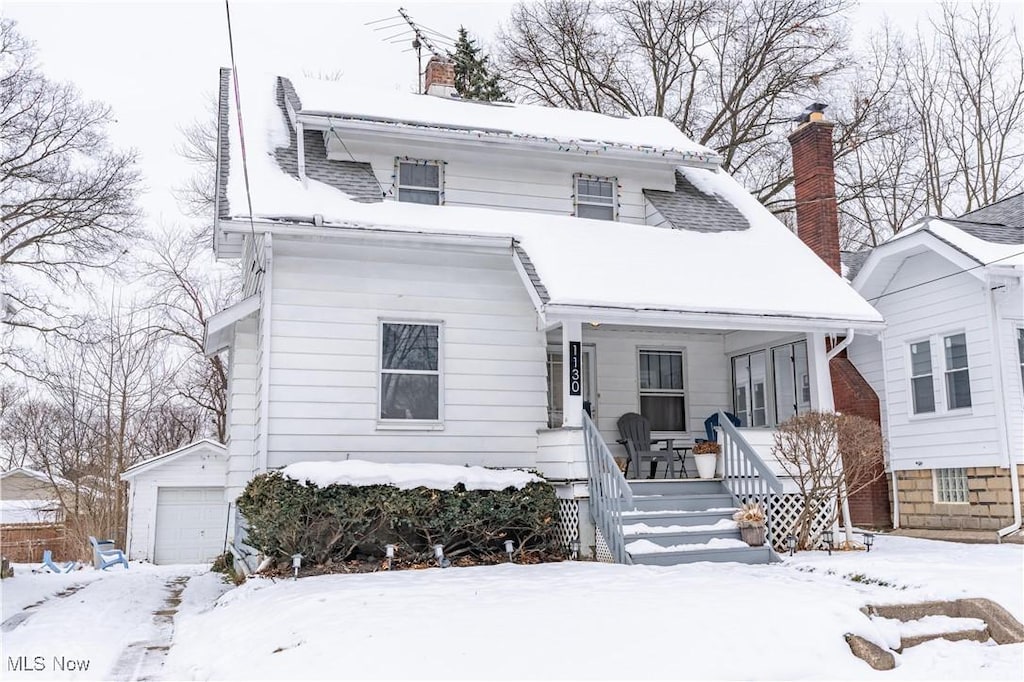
(472, 77)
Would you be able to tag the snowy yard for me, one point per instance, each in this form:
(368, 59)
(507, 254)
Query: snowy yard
(568, 620)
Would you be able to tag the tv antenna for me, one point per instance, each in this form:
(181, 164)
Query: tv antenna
(420, 37)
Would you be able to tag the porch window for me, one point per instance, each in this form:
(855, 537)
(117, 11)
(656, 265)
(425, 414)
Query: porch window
(921, 381)
(749, 376)
(595, 197)
(1020, 352)
(410, 371)
(792, 380)
(958, 381)
(662, 398)
(951, 485)
(556, 411)
(419, 182)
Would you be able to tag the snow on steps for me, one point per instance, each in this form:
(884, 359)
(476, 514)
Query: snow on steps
(681, 521)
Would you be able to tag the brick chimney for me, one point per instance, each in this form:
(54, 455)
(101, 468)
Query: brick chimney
(439, 78)
(814, 180)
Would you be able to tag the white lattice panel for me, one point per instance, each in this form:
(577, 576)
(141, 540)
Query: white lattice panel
(785, 512)
(568, 524)
(601, 552)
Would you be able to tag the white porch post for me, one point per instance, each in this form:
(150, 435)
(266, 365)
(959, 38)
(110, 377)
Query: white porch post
(572, 374)
(823, 401)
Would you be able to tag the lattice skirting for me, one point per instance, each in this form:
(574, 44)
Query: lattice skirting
(568, 524)
(785, 511)
(601, 552)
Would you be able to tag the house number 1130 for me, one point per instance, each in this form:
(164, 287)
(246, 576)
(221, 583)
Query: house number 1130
(575, 370)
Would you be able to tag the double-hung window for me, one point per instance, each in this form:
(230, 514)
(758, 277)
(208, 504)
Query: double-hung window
(958, 380)
(922, 384)
(595, 197)
(749, 396)
(419, 182)
(662, 395)
(410, 371)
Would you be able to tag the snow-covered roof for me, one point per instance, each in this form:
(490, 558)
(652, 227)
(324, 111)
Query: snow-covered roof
(38, 475)
(763, 271)
(983, 251)
(578, 128)
(359, 472)
(153, 462)
(28, 511)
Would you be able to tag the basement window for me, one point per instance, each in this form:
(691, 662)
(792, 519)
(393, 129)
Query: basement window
(951, 486)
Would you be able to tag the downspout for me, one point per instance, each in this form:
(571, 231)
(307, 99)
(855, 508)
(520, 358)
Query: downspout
(300, 146)
(265, 336)
(1001, 418)
(848, 521)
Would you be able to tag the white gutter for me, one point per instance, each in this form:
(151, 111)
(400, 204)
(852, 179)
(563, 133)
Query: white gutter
(1001, 416)
(836, 350)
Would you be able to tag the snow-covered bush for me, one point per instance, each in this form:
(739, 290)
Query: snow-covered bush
(341, 522)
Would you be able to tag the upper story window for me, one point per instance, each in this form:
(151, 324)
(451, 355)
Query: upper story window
(958, 380)
(410, 371)
(662, 395)
(921, 381)
(596, 197)
(419, 182)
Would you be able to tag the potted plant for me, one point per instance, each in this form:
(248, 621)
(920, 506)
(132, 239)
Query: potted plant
(751, 519)
(705, 454)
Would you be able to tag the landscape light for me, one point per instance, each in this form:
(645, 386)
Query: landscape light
(869, 539)
(389, 552)
(574, 549)
(439, 555)
(791, 543)
(296, 562)
(826, 536)
(509, 546)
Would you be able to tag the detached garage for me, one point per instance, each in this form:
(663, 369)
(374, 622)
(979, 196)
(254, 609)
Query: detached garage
(177, 511)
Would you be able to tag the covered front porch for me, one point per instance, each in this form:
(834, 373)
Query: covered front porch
(676, 377)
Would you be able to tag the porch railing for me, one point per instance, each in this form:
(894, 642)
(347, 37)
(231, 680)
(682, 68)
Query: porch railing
(746, 475)
(608, 491)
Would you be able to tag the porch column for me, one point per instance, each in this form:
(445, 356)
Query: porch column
(572, 374)
(821, 377)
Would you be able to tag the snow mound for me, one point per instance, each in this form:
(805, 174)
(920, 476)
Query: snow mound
(408, 476)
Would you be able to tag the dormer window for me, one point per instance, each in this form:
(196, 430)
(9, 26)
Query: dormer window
(596, 197)
(419, 182)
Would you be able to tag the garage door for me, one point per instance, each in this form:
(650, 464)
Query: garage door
(189, 525)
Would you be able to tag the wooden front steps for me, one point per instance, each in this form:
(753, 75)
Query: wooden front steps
(685, 521)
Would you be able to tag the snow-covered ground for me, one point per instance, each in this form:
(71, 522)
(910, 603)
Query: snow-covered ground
(551, 621)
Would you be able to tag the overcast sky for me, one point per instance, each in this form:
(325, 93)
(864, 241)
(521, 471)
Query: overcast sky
(156, 63)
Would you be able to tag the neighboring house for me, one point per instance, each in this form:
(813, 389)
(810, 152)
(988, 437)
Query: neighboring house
(28, 496)
(436, 280)
(177, 511)
(949, 368)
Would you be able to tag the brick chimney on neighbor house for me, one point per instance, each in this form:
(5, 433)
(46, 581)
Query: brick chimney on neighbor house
(817, 224)
(439, 78)
(814, 183)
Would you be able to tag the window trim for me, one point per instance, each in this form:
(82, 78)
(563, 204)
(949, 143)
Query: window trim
(1019, 340)
(398, 186)
(946, 371)
(966, 489)
(411, 424)
(576, 196)
(912, 412)
(664, 392)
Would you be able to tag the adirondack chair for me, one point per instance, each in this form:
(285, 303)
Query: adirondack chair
(635, 430)
(49, 563)
(711, 423)
(105, 555)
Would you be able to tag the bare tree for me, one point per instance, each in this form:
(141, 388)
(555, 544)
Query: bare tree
(67, 199)
(829, 456)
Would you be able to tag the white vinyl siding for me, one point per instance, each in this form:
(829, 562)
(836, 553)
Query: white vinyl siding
(329, 301)
(915, 312)
(243, 397)
(595, 197)
(950, 485)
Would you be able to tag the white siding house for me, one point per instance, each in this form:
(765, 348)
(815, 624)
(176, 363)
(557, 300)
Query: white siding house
(421, 272)
(947, 368)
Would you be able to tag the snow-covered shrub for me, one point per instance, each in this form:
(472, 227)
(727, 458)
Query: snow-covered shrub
(341, 522)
